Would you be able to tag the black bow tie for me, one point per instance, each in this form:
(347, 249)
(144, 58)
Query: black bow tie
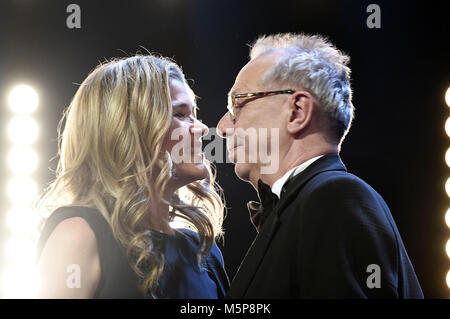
(260, 211)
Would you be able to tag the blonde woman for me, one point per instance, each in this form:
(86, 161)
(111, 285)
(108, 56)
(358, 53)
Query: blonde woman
(130, 161)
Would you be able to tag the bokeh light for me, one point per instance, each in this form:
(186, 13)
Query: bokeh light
(448, 279)
(22, 189)
(447, 248)
(447, 218)
(447, 187)
(19, 282)
(20, 251)
(447, 96)
(22, 130)
(23, 221)
(447, 126)
(447, 157)
(23, 99)
(22, 160)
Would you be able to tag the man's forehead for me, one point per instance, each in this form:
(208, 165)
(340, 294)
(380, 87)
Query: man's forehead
(240, 87)
(250, 75)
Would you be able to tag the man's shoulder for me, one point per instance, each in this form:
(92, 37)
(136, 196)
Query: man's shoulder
(340, 182)
(343, 198)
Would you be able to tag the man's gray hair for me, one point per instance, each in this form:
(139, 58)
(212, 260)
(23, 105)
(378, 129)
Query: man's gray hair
(314, 63)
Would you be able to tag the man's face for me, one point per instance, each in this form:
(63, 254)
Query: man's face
(253, 138)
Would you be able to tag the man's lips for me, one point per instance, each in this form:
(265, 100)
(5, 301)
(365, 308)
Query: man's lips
(232, 149)
(232, 153)
(233, 145)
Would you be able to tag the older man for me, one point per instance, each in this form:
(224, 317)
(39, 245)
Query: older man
(322, 232)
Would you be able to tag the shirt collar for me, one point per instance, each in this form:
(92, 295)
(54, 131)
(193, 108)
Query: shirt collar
(279, 183)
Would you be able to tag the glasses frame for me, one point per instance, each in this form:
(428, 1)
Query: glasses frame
(232, 99)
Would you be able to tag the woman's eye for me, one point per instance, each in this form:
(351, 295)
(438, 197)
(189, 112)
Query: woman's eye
(180, 115)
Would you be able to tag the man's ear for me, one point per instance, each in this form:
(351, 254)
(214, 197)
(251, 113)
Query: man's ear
(301, 108)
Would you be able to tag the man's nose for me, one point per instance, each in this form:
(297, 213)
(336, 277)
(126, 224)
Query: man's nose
(225, 125)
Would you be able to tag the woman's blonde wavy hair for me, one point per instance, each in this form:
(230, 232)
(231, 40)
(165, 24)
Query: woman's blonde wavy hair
(110, 158)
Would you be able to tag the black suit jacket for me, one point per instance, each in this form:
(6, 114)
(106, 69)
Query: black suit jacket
(323, 239)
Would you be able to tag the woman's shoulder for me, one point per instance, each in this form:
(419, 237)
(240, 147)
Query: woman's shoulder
(91, 215)
(82, 225)
(70, 243)
(74, 227)
(73, 234)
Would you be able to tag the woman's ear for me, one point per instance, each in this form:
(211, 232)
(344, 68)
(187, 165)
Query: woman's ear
(301, 107)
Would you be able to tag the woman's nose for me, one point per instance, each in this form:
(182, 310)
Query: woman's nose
(205, 129)
(199, 127)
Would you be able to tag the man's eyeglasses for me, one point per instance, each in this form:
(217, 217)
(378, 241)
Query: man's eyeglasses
(232, 106)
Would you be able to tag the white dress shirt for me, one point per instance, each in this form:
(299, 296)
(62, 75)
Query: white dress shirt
(279, 183)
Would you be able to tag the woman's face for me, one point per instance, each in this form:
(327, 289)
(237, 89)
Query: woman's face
(183, 140)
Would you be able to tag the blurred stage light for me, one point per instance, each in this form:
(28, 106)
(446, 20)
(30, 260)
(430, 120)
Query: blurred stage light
(22, 160)
(447, 157)
(23, 99)
(448, 279)
(447, 248)
(447, 187)
(22, 130)
(447, 218)
(447, 96)
(23, 221)
(20, 251)
(18, 269)
(19, 282)
(19, 273)
(22, 189)
(447, 126)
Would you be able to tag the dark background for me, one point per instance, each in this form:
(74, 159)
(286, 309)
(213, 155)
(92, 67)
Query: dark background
(399, 76)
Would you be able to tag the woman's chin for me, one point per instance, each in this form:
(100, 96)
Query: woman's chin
(199, 172)
(190, 172)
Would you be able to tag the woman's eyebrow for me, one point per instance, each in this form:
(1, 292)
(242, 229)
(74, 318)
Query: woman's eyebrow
(180, 104)
(192, 107)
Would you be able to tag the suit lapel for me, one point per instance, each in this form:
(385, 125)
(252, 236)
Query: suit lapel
(329, 162)
(258, 249)
(252, 259)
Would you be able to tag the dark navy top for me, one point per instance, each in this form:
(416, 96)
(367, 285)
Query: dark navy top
(182, 276)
